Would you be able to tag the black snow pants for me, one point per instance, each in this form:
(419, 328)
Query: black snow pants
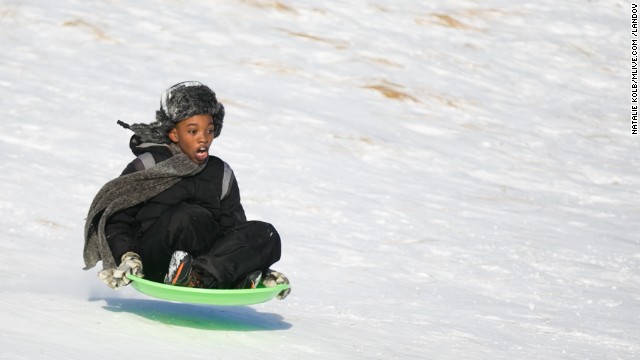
(224, 261)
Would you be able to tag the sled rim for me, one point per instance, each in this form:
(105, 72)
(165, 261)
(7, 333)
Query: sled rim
(228, 297)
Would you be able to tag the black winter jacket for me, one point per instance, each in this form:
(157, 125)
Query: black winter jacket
(214, 188)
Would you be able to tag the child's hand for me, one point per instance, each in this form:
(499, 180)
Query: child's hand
(273, 278)
(115, 278)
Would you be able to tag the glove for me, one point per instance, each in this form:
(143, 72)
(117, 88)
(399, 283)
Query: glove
(115, 278)
(274, 278)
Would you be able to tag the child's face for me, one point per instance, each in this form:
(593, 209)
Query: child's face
(194, 136)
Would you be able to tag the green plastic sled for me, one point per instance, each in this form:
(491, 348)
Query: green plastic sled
(228, 297)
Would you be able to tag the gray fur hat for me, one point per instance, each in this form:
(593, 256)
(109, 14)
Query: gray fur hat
(177, 103)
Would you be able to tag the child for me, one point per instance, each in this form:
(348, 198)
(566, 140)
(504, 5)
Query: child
(175, 210)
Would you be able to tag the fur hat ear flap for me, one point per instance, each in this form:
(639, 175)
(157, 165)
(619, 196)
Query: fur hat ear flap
(218, 118)
(156, 132)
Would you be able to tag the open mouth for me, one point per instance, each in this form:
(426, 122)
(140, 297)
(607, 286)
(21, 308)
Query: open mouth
(202, 153)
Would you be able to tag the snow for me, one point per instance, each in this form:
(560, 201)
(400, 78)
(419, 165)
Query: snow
(452, 179)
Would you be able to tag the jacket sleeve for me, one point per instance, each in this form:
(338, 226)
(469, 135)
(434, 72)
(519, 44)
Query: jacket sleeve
(119, 232)
(119, 227)
(231, 210)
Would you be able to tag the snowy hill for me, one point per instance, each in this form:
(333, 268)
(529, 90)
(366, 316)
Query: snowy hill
(452, 180)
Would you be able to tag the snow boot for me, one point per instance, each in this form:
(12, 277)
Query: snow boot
(250, 281)
(181, 271)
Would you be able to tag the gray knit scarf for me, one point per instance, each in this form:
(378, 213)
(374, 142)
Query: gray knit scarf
(127, 191)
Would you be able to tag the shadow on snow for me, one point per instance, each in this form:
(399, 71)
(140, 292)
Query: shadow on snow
(205, 317)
